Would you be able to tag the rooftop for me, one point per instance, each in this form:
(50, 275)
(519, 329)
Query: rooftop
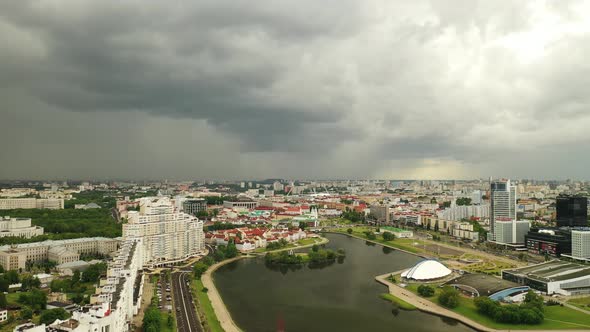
(555, 270)
(394, 229)
(483, 283)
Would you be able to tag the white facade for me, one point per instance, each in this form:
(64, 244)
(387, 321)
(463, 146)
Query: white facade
(277, 186)
(113, 306)
(465, 230)
(459, 212)
(19, 227)
(581, 244)
(29, 327)
(31, 203)
(502, 203)
(167, 236)
(240, 204)
(39, 251)
(511, 231)
(427, 270)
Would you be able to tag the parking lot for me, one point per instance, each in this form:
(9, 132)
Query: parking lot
(164, 293)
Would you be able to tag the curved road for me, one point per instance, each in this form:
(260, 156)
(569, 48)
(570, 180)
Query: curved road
(186, 315)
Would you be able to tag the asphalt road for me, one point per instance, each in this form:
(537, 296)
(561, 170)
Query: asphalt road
(186, 315)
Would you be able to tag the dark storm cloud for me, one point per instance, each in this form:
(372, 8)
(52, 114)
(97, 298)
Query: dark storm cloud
(119, 58)
(280, 88)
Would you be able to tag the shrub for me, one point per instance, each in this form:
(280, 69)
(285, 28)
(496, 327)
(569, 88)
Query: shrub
(388, 236)
(449, 297)
(425, 291)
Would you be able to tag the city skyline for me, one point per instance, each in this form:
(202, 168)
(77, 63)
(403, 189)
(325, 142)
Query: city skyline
(341, 89)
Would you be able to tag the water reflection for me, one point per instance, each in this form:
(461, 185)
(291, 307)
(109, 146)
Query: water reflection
(342, 296)
(449, 321)
(387, 250)
(284, 268)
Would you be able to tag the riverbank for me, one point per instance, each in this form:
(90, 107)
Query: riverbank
(322, 241)
(223, 315)
(382, 244)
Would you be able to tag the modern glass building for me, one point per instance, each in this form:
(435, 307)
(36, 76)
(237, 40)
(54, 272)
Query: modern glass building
(502, 203)
(571, 211)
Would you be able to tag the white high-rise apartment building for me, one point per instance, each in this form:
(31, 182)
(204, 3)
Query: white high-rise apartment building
(167, 236)
(581, 243)
(117, 298)
(502, 203)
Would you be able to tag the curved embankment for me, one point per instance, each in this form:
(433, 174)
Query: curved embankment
(223, 315)
(432, 308)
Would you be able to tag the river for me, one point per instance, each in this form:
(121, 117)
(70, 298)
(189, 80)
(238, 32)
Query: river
(340, 297)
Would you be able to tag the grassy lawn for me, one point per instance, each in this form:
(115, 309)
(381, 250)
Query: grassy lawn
(402, 304)
(164, 327)
(205, 307)
(12, 298)
(414, 289)
(582, 302)
(556, 317)
(488, 267)
(404, 244)
(302, 242)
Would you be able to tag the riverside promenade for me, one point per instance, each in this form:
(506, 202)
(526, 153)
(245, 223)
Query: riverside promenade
(223, 315)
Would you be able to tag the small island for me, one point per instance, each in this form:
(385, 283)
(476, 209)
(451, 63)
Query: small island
(315, 255)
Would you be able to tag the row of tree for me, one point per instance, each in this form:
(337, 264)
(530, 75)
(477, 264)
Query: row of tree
(66, 224)
(315, 256)
(529, 312)
(225, 252)
(352, 215)
(201, 266)
(280, 244)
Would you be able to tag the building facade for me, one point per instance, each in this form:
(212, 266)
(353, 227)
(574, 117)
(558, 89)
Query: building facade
(550, 241)
(572, 211)
(381, 213)
(167, 236)
(31, 203)
(458, 213)
(194, 206)
(117, 298)
(502, 203)
(39, 251)
(581, 244)
(511, 231)
(553, 277)
(240, 204)
(19, 227)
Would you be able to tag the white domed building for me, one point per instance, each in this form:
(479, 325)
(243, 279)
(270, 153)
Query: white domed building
(427, 270)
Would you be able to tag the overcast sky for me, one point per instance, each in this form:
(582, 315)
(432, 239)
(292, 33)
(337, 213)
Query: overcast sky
(297, 89)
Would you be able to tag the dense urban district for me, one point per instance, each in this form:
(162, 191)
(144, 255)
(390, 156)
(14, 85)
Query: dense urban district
(494, 254)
